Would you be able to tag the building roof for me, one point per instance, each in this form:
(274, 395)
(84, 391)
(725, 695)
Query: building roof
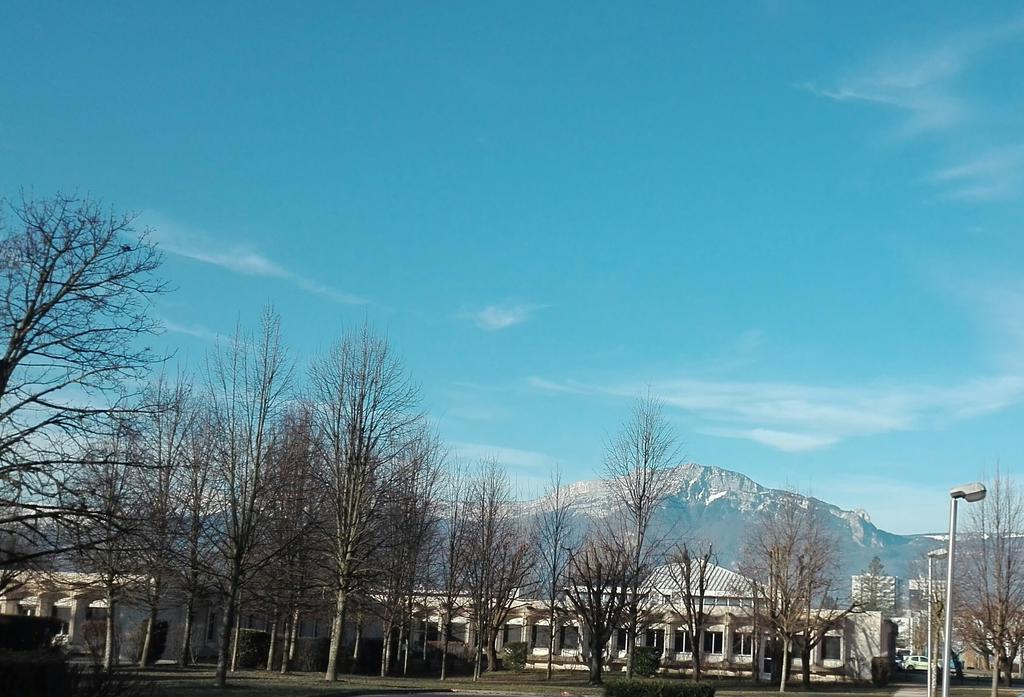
(722, 583)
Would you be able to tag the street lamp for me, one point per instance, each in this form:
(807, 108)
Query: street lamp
(969, 493)
(932, 555)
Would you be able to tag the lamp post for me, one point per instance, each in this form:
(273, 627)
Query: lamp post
(969, 493)
(932, 555)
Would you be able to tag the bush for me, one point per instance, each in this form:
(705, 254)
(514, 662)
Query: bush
(253, 645)
(25, 633)
(515, 655)
(39, 673)
(881, 671)
(646, 661)
(646, 687)
(311, 654)
(94, 634)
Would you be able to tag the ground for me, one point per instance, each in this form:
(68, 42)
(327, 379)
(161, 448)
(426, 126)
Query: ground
(198, 682)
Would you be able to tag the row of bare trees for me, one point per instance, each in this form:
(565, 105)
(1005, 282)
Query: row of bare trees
(273, 492)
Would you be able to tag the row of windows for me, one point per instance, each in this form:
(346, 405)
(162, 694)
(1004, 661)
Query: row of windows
(713, 641)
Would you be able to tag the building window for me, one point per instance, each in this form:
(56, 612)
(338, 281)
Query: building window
(655, 638)
(430, 630)
(832, 648)
(459, 632)
(682, 641)
(509, 633)
(712, 642)
(620, 639)
(211, 625)
(742, 644)
(540, 635)
(570, 638)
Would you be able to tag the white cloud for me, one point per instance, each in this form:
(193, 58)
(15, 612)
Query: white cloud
(922, 83)
(993, 174)
(526, 459)
(779, 440)
(495, 317)
(196, 330)
(238, 258)
(797, 417)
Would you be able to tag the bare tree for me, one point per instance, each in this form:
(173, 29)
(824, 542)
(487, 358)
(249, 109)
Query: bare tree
(637, 464)
(598, 589)
(165, 428)
(555, 537)
(791, 561)
(501, 558)
(109, 532)
(248, 386)
(366, 411)
(296, 523)
(452, 557)
(690, 572)
(412, 517)
(76, 283)
(991, 581)
(193, 549)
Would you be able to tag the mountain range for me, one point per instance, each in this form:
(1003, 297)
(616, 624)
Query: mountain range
(721, 506)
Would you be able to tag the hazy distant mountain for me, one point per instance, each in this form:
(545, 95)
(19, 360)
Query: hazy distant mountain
(720, 505)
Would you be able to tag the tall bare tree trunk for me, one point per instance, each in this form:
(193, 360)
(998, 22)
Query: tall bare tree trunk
(185, 655)
(226, 625)
(273, 642)
(785, 664)
(234, 644)
(337, 627)
(109, 659)
(286, 647)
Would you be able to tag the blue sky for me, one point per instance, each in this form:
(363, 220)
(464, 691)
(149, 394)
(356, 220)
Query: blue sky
(798, 223)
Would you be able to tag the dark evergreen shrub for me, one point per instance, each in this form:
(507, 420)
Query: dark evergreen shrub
(25, 633)
(881, 671)
(646, 661)
(253, 645)
(515, 656)
(39, 673)
(311, 654)
(158, 642)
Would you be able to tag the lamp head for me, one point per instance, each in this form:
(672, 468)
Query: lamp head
(969, 492)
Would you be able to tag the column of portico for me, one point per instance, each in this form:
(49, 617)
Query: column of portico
(79, 608)
(727, 638)
(45, 607)
(9, 606)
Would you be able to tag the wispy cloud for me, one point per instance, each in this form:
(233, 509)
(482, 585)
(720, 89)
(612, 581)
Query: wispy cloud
(195, 330)
(916, 84)
(526, 459)
(495, 317)
(238, 258)
(921, 83)
(991, 175)
(798, 417)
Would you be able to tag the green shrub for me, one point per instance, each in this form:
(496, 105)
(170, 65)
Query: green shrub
(515, 655)
(881, 671)
(646, 661)
(26, 633)
(39, 673)
(253, 645)
(657, 687)
(311, 654)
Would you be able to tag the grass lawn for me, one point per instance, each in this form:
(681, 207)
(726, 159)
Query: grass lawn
(172, 681)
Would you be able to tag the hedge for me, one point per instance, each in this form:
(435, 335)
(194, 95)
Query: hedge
(41, 673)
(311, 654)
(253, 646)
(654, 687)
(27, 633)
